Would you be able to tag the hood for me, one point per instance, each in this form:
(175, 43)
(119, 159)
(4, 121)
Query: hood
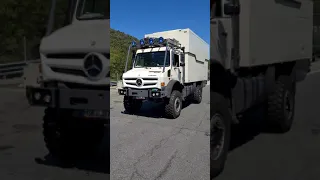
(86, 36)
(143, 72)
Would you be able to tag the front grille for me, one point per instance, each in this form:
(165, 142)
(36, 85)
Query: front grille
(75, 72)
(72, 55)
(67, 55)
(146, 81)
(77, 57)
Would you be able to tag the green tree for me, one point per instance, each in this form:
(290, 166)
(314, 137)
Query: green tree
(25, 19)
(119, 44)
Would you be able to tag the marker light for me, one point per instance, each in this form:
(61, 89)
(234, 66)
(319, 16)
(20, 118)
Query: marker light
(161, 40)
(150, 41)
(133, 44)
(47, 99)
(141, 42)
(37, 96)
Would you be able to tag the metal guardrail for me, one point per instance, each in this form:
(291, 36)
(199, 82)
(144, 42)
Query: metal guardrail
(113, 83)
(11, 69)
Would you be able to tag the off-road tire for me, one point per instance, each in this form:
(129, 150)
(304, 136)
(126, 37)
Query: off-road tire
(313, 59)
(197, 95)
(67, 137)
(170, 110)
(219, 107)
(132, 105)
(277, 117)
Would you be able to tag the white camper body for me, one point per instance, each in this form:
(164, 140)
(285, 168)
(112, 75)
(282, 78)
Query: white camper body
(196, 68)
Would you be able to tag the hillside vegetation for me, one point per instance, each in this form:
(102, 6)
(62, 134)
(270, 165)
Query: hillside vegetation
(25, 19)
(119, 44)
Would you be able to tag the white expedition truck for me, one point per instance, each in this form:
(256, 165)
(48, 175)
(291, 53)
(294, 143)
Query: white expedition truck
(168, 66)
(259, 50)
(75, 79)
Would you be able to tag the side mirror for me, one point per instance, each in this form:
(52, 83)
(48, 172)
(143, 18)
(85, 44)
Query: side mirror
(231, 9)
(182, 64)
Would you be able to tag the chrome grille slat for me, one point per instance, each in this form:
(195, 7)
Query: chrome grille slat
(75, 72)
(147, 81)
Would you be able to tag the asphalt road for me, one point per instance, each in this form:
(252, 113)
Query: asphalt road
(22, 151)
(141, 146)
(258, 154)
(145, 147)
(149, 147)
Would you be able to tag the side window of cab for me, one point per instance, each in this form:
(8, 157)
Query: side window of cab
(175, 61)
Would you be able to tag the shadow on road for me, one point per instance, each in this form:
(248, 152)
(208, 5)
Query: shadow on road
(155, 110)
(98, 162)
(252, 124)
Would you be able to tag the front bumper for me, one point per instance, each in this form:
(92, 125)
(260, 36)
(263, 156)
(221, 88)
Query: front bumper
(142, 93)
(69, 98)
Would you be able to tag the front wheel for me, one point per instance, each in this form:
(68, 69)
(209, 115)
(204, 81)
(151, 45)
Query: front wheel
(220, 134)
(66, 137)
(173, 105)
(132, 105)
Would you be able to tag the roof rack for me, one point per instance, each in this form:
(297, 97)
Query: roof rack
(150, 42)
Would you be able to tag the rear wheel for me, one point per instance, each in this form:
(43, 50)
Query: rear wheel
(197, 96)
(281, 104)
(220, 125)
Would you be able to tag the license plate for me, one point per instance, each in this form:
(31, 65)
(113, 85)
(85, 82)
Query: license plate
(140, 98)
(95, 113)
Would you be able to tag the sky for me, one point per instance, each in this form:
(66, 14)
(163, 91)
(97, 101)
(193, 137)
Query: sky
(140, 17)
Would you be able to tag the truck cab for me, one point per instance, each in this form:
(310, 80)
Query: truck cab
(154, 67)
(64, 52)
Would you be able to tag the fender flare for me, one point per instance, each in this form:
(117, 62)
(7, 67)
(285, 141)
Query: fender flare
(170, 87)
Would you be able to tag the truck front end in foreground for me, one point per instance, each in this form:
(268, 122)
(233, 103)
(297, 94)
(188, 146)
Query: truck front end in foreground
(75, 86)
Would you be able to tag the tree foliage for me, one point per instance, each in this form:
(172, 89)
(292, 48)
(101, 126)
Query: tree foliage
(119, 44)
(25, 19)
(29, 18)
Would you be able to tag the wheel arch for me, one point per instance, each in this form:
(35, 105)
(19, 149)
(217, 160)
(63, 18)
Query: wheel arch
(173, 85)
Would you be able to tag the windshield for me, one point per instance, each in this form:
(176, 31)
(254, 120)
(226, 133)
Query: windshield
(151, 59)
(93, 9)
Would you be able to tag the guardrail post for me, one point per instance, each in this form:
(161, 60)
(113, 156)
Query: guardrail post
(25, 48)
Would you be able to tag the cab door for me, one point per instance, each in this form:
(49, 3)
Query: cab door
(176, 72)
(222, 32)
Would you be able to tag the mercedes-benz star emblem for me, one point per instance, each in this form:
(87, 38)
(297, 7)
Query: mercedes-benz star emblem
(92, 66)
(139, 82)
